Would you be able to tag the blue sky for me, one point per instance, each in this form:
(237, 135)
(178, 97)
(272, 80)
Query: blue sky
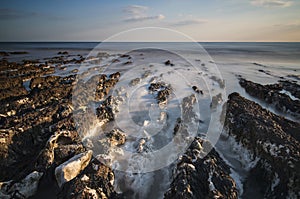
(203, 20)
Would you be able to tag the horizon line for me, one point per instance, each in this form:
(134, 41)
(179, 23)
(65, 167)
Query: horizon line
(149, 42)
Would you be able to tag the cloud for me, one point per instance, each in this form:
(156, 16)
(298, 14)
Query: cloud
(7, 14)
(188, 22)
(272, 3)
(135, 9)
(144, 18)
(289, 25)
(12, 14)
(139, 13)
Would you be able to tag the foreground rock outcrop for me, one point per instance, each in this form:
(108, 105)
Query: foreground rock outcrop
(202, 175)
(273, 140)
(41, 150)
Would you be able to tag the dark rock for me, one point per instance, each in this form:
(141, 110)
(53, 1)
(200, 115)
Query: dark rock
(4, 54)
(197, 90)
(127, 63)
(18, 53)
(96, 181)
(105, 112)
(271, 138)
(116, 137)
(169, 63)
(200, 176)
(271, 94)
(162, 90)
(125, 56)
(63, 53)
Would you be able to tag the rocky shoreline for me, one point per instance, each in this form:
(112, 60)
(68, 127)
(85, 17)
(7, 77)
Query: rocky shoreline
(42, 152)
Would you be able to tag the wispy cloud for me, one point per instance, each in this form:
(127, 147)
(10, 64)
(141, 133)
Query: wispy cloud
(289, 25)
(139, 13)
(188, 22)
(7, 14)
(272, 3)
(13, 14)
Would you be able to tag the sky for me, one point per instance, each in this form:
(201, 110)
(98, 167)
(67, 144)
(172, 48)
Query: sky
(202, 20)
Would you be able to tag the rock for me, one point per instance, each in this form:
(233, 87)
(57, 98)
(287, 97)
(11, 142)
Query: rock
(163, 91)
(98, 184)
(18, 52)
(127, 63)
(169, 63)
(105, 112)
(135, 81)
(116, 137)
(63, 53)
(124, 56)
(4, 54)
(196, 176)
(273, 140)
(70, 169)
(187, 108)
(292, 87)
(272, 94)
(60, 147)
(197, 90)
(75, 71)
(26, 188)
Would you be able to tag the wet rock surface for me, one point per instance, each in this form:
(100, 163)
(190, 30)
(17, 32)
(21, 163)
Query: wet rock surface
(162, 91)
(272, 139)
(198, 175)
(39, 140)
(276, 95)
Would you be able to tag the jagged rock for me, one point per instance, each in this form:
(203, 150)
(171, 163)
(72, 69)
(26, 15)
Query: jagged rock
(116, 137)
(105, 112)
(23, 189)
(272, 94)
(61, 146)
(70, 169)
(272, 139)
(292, 87)
(96, 181)
(169, 63)
(163, 91)
(63, 53)
(197, 90)
(200, 176)
(187, 108)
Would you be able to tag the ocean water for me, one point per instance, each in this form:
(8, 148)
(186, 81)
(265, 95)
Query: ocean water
(213, 67)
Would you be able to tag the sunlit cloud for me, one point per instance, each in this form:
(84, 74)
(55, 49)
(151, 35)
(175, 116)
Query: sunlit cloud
(139, 13)
(289, 25)
(188, 22)
(272, 3)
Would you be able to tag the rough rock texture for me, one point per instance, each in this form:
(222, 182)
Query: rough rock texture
(70, 169)
(25, 188)
(272, 139)
(162, 91)
(272, 94)
(96, 181)
(37, 129)
(199, 176)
